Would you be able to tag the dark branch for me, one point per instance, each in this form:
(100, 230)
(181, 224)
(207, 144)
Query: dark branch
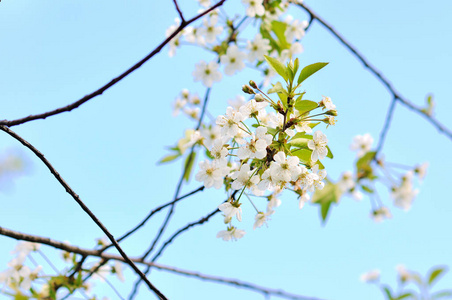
(179, 12)
(83, 206)
(443, 129)
(95, 253)
(114, 81)
(187, 227)
(142, 223)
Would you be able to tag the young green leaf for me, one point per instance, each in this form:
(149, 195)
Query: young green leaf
(330, 154)
(189, 162)
(276, 88)
(309, 70)
(168, 158)
(325, 197)
(305, 105)
(277, 66)
(434, 274)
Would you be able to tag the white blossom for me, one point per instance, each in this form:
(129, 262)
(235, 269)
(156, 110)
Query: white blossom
(244, 178)
(421, 170)
(303, 199)
(252, 108)
(258, 48)
(257, 146)
(285, 169)
(233, 60)
(370, 276)
(295, 48)
(231, 234)
(318, 146)
(212, 173)
(295, 28)
(404, 194)
(229, 123)
(262, 218)
(174, 42)
(210, 134)
(255, 8)
(207, 73)
(326, 101)
(209, 31)
(230, 210)
(362, 144)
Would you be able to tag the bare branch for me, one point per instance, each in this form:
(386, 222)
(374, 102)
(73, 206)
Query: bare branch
(142, 223)
(385, 129)
(96, 253)
(83, 206)
(187, 227)
(443, 129)
(179, 12)
(114, 81)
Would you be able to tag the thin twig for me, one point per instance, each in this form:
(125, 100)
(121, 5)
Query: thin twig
(385, 129)
(181, 180)
(114, 81)
(179, 12)
(83, 206)
(89, 252)
(142, 223)
(185, 228)
(443, 129)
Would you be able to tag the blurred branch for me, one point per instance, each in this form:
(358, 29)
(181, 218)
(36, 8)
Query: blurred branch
(83, 206)
(443, 129)
(181, 179)
(97, 253)
(114, 81)
(385, 129)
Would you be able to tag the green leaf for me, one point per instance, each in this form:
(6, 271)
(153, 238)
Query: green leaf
(304, 155)
(325, 197)
(309, 70)
(296, 66)
(403, 296)
(305, 105)
(189, 165)
(442, 294)
(277, 66)
(168, 158)
(434, 274)
(365, 160)
(279, 28)
(273, 43)
(387, 292)
(300, 143)
(330, 154)
(367, 189)
(276, 88)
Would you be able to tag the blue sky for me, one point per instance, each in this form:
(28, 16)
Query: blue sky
(54, 52)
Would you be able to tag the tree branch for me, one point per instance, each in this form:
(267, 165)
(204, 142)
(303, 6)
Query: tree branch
(142, 223)
(83, 206)
(443, 129)
(96, 253)
(114, 81)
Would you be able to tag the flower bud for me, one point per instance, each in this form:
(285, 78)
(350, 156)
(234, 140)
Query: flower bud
(253, 84)
(247, 89)
(259, 98)
(331, 113)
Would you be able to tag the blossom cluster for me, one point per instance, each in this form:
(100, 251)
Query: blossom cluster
(258, 148)
(402, 189)
(21, 282)
(218, 34)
